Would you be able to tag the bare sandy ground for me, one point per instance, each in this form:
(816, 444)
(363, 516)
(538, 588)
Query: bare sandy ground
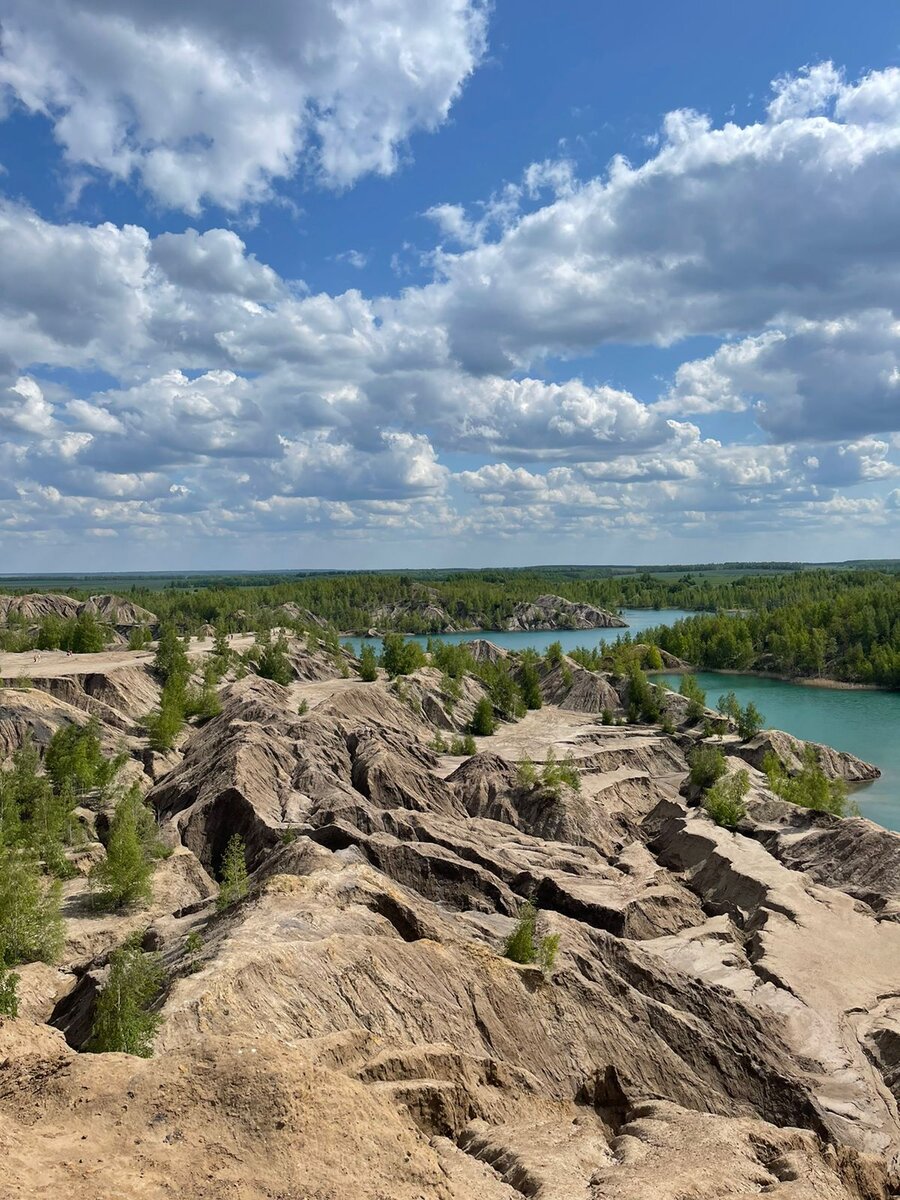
(45, 664)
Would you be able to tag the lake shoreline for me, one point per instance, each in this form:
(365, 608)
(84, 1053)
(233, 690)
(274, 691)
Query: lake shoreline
(837, 685)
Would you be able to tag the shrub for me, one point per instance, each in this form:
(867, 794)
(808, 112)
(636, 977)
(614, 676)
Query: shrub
(463, 746)
(123, 1022)
(438, 744)
(9, 995)
(555, 773)
(725, 799)
(193, 944)
(606, 716)
(526, 775)
(483, 723)
(810, 787)
(707, 765)
(139, 637)
(31, 926)
(234, 883)
(523, 946)
(302, 708)
(368, 665)
(203, 702)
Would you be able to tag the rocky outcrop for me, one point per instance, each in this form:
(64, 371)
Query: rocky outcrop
(483, 650)
(111, 610)
(837, 764)
(721, 1018)
(554, 612)
(445, 705)
(571, 686)
(121, 614)
(424, 604)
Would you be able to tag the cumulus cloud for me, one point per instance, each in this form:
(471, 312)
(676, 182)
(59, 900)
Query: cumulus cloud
(214, 101)
(808, 380)
(721, 230)
(240, 401)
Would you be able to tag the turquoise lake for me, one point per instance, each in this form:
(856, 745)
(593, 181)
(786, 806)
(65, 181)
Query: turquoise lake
(864, 723)
(638, 620)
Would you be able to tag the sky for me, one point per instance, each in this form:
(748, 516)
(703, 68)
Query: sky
(377, 283)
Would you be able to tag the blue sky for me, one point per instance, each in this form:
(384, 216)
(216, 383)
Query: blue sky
(404, 282)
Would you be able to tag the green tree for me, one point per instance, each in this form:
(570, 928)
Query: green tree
(729, 706)
(750, 721)
(85, 635)
(164, 723)
(526, 775)
(725, 799)
(75, 759)
(122, 878)
(368, 665)
(695, 696)
(220, 648)
(51, 633)
(171, 660)
(235, 883)
(193, 945)
(643, 703)
(274, 663)
(653, 659)
(483, 723)
(554, 654)
(399, 656)
(530, 683)
(139, 637)
(123, 1020)
(31, 926)
(23, 791)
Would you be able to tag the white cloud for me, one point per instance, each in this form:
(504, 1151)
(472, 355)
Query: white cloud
(809, 380)
(722, 230)
(241, 404)
(212, 101)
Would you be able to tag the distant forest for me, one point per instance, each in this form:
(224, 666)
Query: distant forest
(842, 624)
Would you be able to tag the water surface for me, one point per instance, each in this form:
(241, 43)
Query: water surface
(638, 620)
(865, 723)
